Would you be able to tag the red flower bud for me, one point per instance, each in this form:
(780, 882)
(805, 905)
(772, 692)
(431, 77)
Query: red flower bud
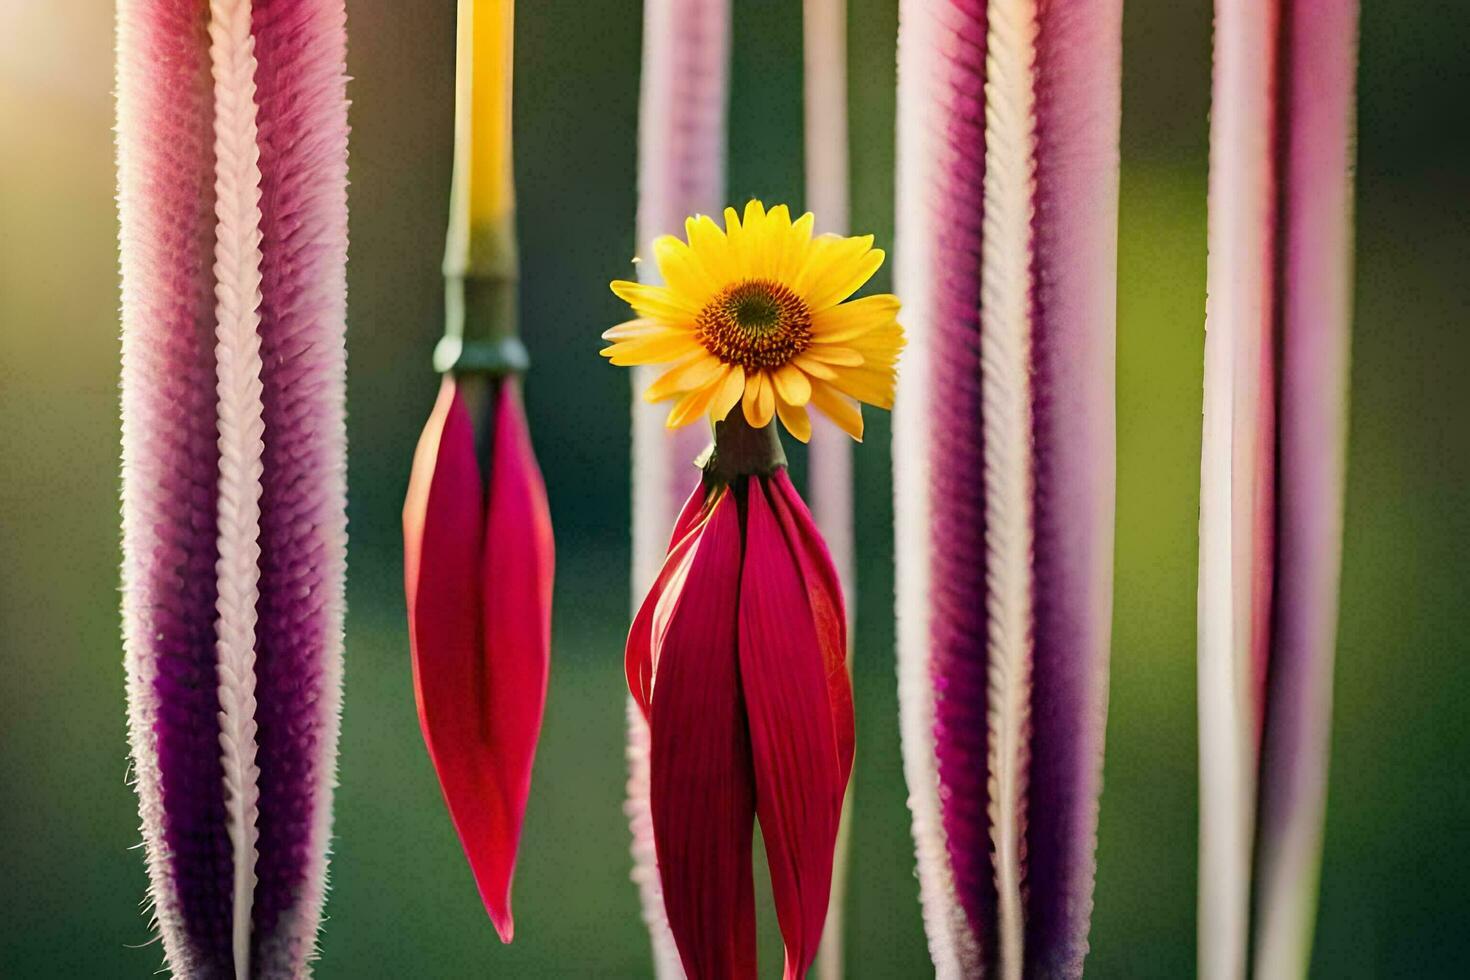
(478, 565)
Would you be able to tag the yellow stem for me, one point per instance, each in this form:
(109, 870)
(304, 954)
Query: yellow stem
(480, 256)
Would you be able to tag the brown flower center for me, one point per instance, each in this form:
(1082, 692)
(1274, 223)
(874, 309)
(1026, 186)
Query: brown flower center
(756, 323)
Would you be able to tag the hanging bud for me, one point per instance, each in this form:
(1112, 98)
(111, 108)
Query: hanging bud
(478, 559)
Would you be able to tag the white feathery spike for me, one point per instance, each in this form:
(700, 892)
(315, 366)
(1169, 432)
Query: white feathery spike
(829, 479)
(137, 262)
(1237, 319)
(666, 964)
(683, 95)
(241, 427)
(1005, 392)
(952, 944)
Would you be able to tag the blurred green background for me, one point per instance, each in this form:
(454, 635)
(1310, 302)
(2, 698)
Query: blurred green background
(402, 904)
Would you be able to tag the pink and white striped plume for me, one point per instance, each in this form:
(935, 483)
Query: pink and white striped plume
(232, 154)
(681, 171)
(1008, 116)
(829, 459)
(1272, 470)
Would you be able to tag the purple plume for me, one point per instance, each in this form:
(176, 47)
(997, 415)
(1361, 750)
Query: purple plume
(1275, 423)
(170, 470)
(1003, 452)
(232, 149)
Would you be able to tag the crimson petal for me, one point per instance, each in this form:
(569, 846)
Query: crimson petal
(829, 613)
(702, 795)
(799, 774)
(518, 567)
(443, 527)
(692, 513)
(651, 623)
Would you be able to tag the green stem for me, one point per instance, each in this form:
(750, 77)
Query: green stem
(480, 318)
(742, 450)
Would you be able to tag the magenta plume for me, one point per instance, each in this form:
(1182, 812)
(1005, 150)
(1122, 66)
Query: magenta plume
(232, 164)
(681, 171)
(1008, 116)
(1272, 471)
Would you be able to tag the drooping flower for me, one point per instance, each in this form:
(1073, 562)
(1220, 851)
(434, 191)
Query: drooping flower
(1003, 446)
(477, 539)
(737, 659)
(1277, 325)
(232, 176)
(754, 314)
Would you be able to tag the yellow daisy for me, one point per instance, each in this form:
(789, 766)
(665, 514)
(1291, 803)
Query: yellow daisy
(754, 314)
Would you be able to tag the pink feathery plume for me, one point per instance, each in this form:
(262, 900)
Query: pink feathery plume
(165, 150)
(1275, 420)
(232, 151)
(1008, 118)
(829, 459)
(681, 171)
(301, 88)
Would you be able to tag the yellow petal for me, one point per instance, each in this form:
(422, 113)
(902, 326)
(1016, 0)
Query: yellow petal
(873, 387)
(755, 215)
(778, 239)
(749, 248)
(696, 372)
(650, 350)
(630, 329)
(814, 367)
(828, 354)
(841, 323)
(711, 248)
(880, 352)
(682, 272)
(729, 395)
(657, 302)
(760, 400)
(798, 241)
(847, 416)
(796, 420)
(691, 406)
(845, 279)
(829, 259)
(792, 386)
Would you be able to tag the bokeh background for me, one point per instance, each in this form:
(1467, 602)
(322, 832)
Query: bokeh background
(1394, 901)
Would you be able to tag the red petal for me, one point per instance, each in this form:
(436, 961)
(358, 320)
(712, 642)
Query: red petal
(443, 527)
(638, 660)
(799, 774)
(824, 591)
(652, 620)
(702, 795)
(692, 513)
(518, 565)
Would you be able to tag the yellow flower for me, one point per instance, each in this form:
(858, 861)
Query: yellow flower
(755, 314)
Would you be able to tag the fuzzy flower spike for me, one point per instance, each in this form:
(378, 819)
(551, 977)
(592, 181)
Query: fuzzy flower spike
(232, 208)
(754, 314)
(737, 657)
